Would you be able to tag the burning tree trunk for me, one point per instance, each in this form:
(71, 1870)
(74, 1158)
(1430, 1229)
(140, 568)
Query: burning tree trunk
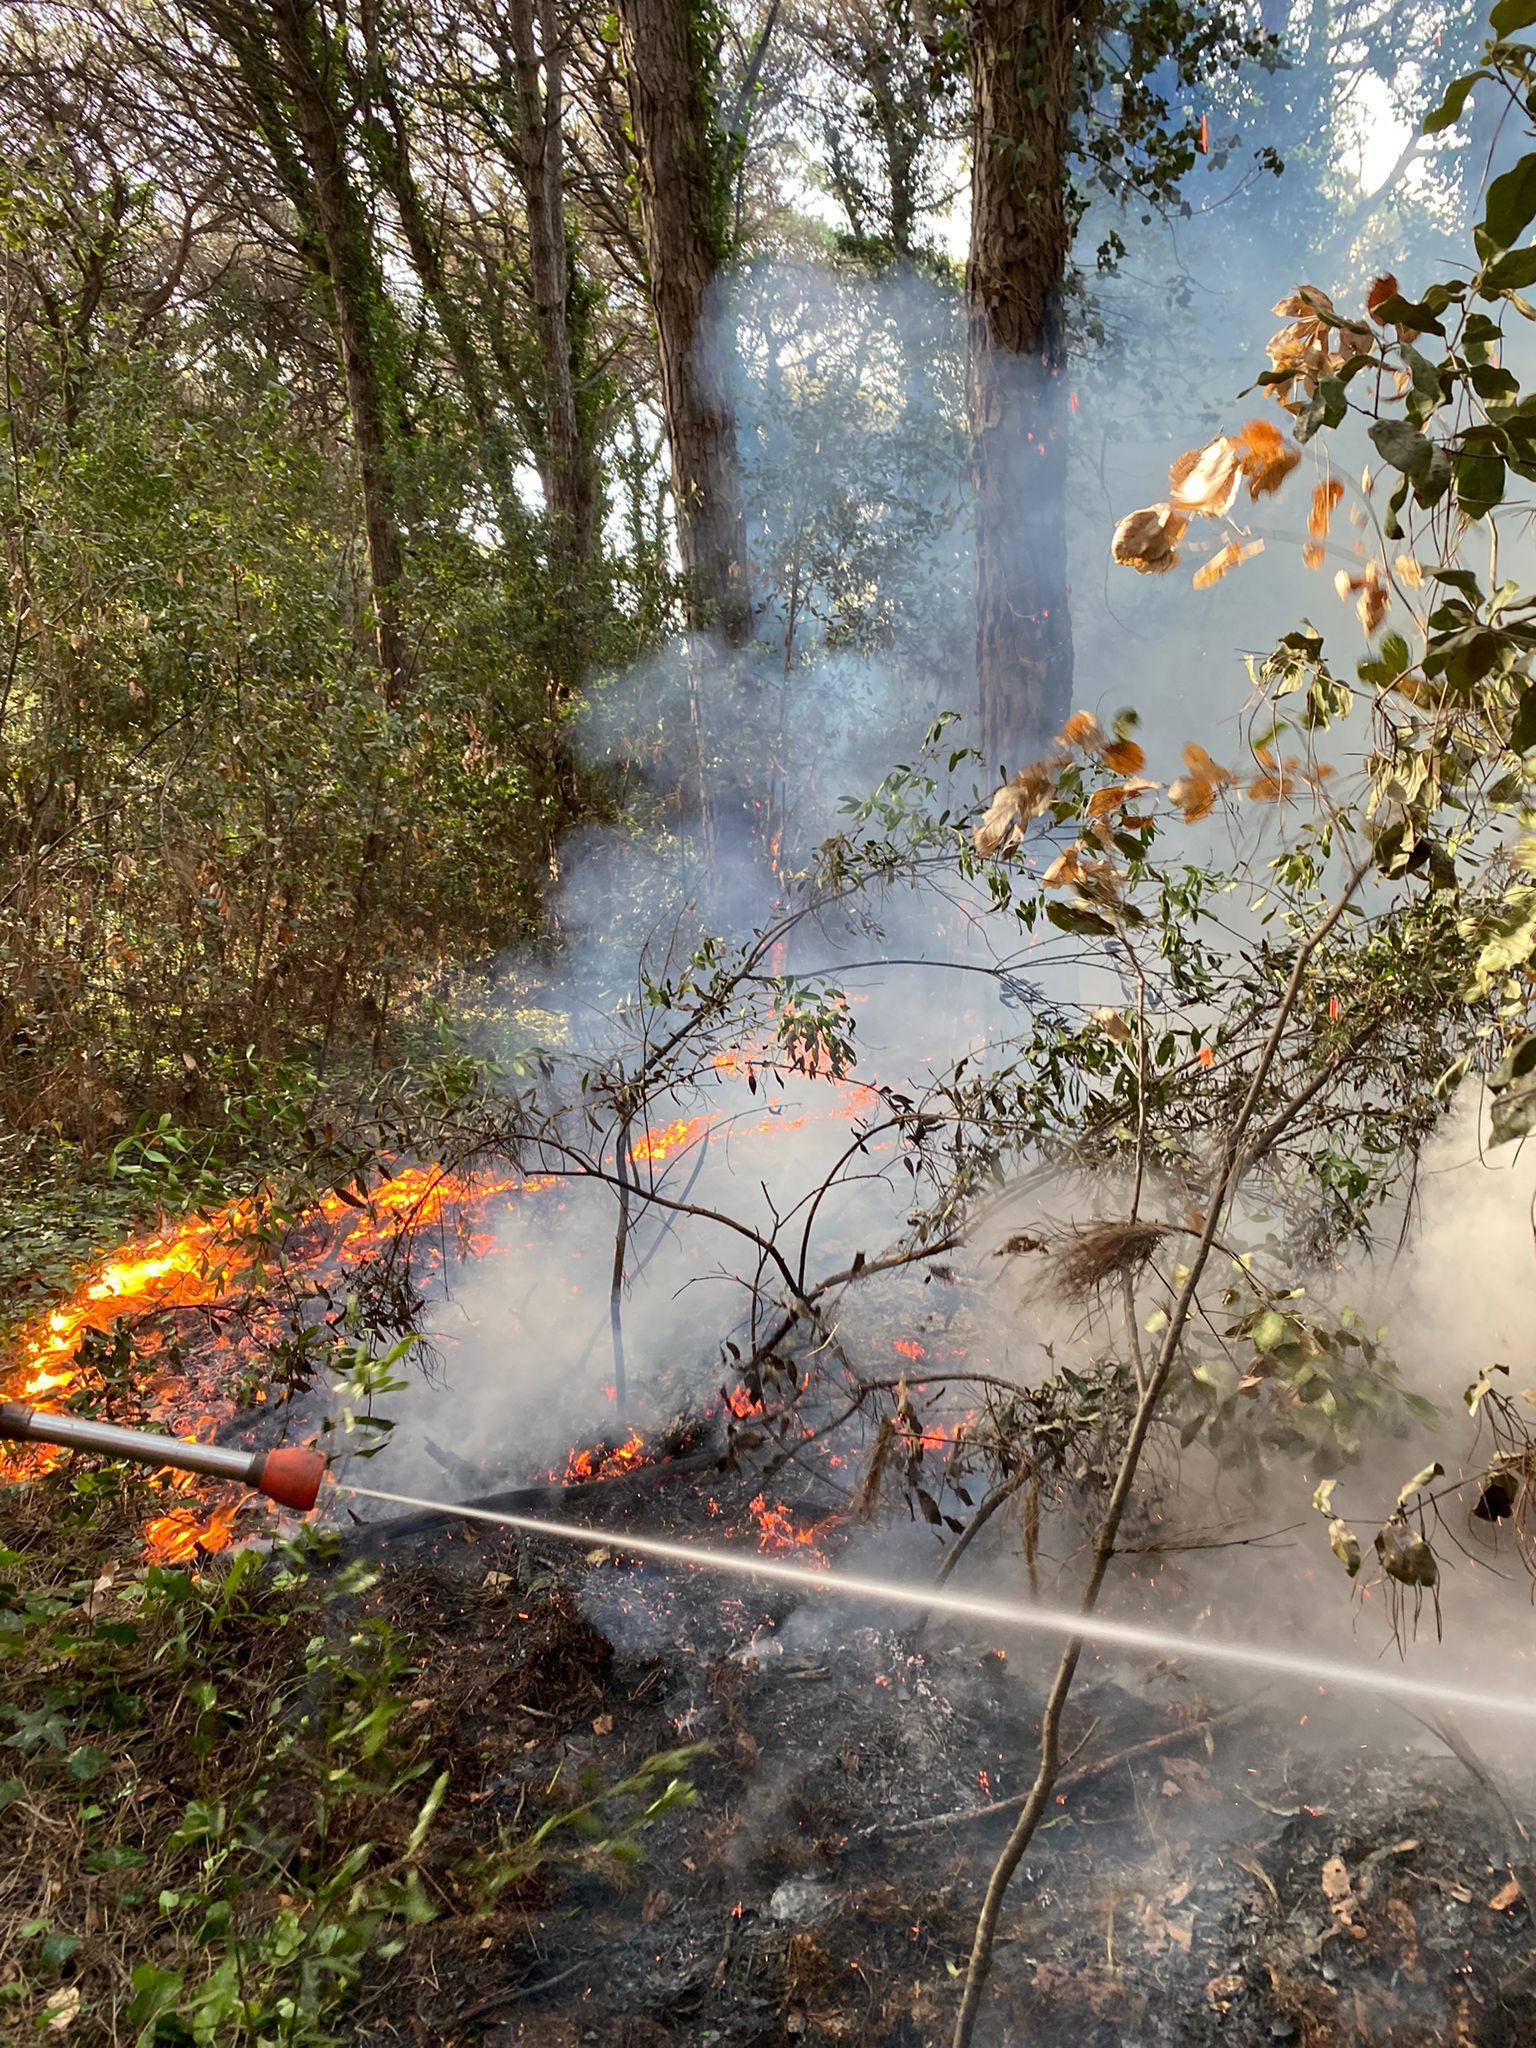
(1023, 56)
(683, 187)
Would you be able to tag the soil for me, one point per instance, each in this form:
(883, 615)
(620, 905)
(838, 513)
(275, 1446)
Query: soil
(1267, 1879)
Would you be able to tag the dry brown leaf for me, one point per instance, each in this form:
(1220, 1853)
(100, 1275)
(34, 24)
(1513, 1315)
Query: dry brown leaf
(1229, 557)
(656, 1903)
(1158, 1928)
(62, 2007)
(1065, 869)
(1375, 599)
(1148, 541)
(603, 1725)
(1082, 729)
(1312, 555)
(1339, 1890)
(1382, 289)
(1221, 1991)
(1114, 794)
(1012, 807)
(1124, 757)
(1199, 762)
(1409, 571)
(1506, 1896)
(1195, 1779)
(1310, 347)
(1267, 457)
(1324, 498)
(1205, 481)
(1194, 796)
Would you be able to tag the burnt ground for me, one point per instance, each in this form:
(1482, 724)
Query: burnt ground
(1255, 1879)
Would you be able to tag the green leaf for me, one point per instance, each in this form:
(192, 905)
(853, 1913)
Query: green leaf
(428, 1813)
(155, 1992)
(1345, 1545)
(1509, 211)
(1510, 16)
(1086, 923)
(1450, 109)
(1405, 1556)
(1404, 447)
(1479, 483)
(1522, 728)
(1510, 272)
(1513, 1088)
(1270, 1331)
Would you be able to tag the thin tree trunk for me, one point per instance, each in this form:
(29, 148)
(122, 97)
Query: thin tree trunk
(1022, 64)
(566, 466)
(684, 203)
(362, 317)
(390, 154)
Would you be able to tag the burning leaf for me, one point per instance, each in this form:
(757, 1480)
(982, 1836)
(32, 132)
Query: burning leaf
(1012, 807)
(1124, 757)
(1082, 729)
(1205, 481)
(1267, 458)
(1382, 289)
(1148, 542)
(1229, 557)
(1324, 500)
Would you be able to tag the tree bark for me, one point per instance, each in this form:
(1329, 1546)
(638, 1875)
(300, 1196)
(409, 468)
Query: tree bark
(684, 202)
(1022, 56)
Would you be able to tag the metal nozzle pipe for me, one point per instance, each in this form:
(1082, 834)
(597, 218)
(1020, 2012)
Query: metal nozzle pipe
(290, 1475)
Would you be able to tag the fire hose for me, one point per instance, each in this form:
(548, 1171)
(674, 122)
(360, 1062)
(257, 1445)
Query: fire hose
(289, 1474)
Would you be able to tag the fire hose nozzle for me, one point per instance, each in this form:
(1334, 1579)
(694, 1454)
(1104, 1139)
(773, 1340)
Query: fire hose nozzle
(290, 1475)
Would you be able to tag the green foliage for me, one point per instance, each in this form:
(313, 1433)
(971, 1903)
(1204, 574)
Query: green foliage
(220, 1763)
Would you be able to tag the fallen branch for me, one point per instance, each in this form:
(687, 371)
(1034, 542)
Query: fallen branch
(1067, 1782)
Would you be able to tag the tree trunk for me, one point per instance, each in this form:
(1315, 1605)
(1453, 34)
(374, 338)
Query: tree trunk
(566, 467)
(1022, 62)
(684, 203)
(363, 318)
(390, 153)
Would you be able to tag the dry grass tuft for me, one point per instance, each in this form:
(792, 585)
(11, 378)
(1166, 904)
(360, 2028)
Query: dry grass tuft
(1090, 1256)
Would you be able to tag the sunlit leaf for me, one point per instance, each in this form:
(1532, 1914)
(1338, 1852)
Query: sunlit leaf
(1226, 558)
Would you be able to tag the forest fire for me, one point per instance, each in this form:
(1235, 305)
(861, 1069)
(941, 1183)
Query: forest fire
(214, 1264)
